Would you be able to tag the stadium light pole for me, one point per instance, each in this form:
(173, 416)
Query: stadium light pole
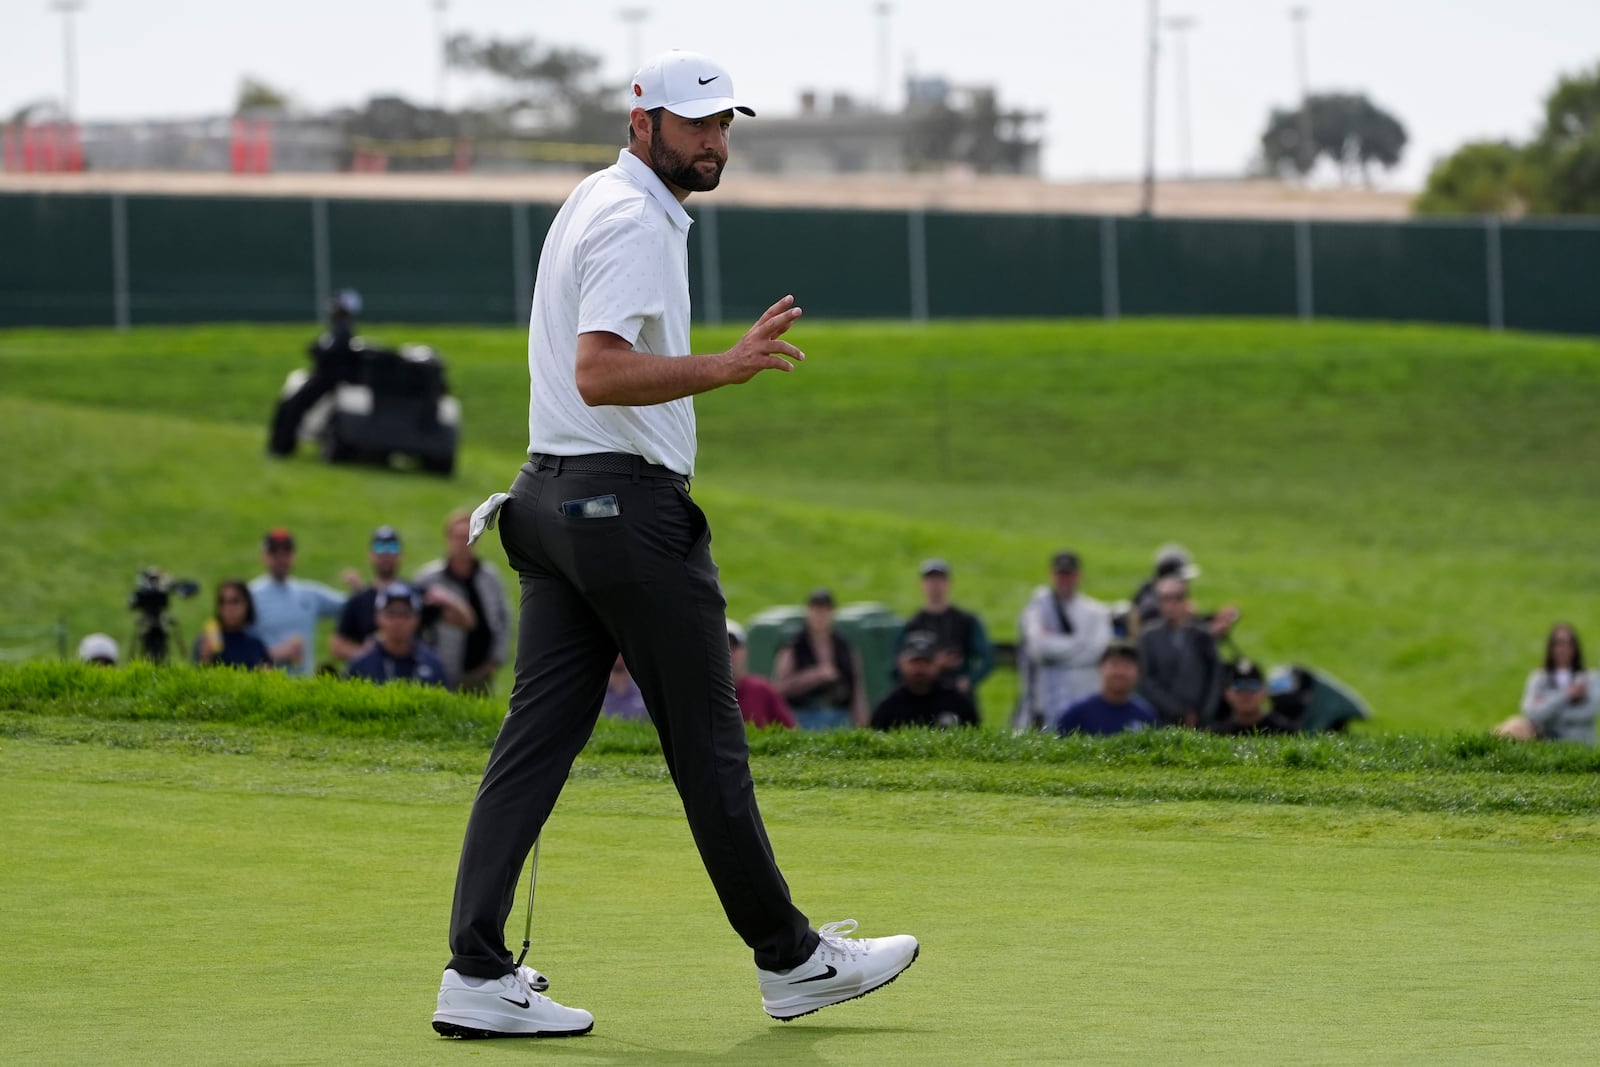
(883, 9)
(1180, 25)
(440, 31)
(632, 17)
(66, 9)
(1147, 200)
(1305, 150)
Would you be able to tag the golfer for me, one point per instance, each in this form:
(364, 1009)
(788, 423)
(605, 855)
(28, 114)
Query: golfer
(613, 555)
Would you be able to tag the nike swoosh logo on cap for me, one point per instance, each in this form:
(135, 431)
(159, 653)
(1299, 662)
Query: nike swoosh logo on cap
(708, 81)
(832, 970)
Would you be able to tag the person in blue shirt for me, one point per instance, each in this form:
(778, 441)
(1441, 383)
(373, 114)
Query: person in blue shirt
(287, 608)
(226, 640)
(1116, 708)
(396, 654)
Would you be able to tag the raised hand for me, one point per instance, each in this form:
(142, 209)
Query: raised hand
(761, 348)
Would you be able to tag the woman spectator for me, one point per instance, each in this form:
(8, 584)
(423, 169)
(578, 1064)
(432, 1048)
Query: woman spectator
(226, 639)
(820, 674)
(1561, 698)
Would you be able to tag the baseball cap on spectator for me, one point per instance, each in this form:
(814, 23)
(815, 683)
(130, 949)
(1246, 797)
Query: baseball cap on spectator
(1065, 562)
(397, 593)
(98, 648)
(920, 644)
(386, 539)
(685, 83)
(278, 537)
(736, 634)
(1174, 560)
(935, 566)
(820, 596)
(1121, 650)
(1244, 674)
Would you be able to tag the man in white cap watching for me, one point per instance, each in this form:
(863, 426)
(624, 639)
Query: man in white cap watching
(614, 556)
(99, 649)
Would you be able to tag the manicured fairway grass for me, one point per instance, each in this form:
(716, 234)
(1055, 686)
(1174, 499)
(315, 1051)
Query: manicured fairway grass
(1408, 508)
(179, 906)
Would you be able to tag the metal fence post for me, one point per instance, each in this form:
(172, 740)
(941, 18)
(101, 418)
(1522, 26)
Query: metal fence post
(521, 265)
(1496, 280)
(121, 305)
(1110, 286)
(917, 257)
(1304, 283)
(710, 264)
(321, 258)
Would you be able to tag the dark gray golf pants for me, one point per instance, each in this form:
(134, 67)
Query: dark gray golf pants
(642, 582)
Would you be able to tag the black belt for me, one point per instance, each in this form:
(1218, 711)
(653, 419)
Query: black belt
(604, 463)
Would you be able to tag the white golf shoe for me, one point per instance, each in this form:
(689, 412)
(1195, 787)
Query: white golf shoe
(503, 1007)
(536, 981)
(842, 968)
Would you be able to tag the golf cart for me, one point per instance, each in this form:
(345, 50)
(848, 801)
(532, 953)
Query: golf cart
(394, 403)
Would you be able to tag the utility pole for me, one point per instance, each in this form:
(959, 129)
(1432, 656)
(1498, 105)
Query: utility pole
(1180, 25)
(632, 17)
(439, 8)
(69, 97)
(1306, 154)
(882, 9)
(1147, 201)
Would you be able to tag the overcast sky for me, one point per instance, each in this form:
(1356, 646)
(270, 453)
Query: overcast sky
(1451, 70)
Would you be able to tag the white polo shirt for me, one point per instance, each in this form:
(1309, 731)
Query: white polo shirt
(616, 259)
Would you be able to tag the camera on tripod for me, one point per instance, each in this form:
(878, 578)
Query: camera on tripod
(155, 630)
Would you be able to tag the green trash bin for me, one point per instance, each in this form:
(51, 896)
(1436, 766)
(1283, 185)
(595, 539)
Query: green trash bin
(874, 630)
(767, 632)
(871, 629)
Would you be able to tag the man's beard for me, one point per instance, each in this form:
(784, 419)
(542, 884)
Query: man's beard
(677, 169)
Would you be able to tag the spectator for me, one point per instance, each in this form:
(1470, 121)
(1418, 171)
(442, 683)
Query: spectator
(226, 639)
(1061, 636)
(98, 649)
(923, 698)
(333, 360)
(396, 654)
(965, 655)
(759, 703)
(1174, 561)
(1245, 694)
(287, 608)
(470, 656)
(819, 673)
(623, 700)
(358, 620)
(1561, 698)
(1116, 707)
(1181, 673)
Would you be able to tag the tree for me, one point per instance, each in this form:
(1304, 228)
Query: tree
(556, 90)
(1566, 153)
(968, 127)
(1480, 178)
(1347, 128)
(257, 95)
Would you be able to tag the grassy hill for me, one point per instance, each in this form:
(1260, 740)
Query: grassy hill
(1408, 508)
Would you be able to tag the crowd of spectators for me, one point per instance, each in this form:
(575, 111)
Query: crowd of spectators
(1083, 666)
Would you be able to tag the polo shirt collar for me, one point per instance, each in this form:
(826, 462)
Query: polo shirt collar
(641, 175)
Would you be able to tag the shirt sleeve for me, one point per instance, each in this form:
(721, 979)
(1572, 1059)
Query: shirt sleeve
(350, 620)
(621, 285)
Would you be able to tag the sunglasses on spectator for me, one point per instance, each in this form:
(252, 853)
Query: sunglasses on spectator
(230, 600)
(386, 548)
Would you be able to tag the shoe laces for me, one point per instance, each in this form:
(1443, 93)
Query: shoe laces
(520, 977)
(832, 935)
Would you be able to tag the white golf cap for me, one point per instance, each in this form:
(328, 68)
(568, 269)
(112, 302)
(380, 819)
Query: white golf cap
(687, 84)
(97, 648)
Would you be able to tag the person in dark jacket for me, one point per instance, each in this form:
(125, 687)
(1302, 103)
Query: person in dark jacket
(819, 673)
(923, 698)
